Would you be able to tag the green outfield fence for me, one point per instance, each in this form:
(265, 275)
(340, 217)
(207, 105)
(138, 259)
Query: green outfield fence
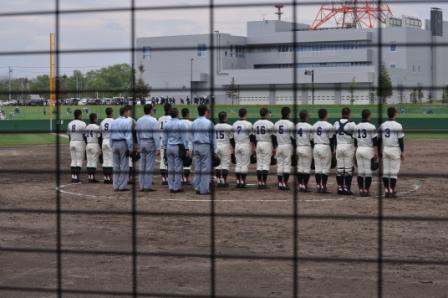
(42, 126)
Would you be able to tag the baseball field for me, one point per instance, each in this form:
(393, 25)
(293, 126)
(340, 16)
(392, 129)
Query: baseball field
(249, 243)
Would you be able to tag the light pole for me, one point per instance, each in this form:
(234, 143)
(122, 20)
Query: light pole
(191, 79)
(9, 81)
(311, 73)
(218, 39)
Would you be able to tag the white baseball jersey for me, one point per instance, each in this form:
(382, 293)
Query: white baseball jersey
(391, 132)
(162, 123)
(344, 130)
(284, 129)
(304, 134)
(322, 132)
(263, 130)
(223, 133)
(92, 133)
(105, 126)
(242, 130)
(188, 124)
(76, 129)
(365, 133)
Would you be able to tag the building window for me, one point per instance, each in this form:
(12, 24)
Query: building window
(146, 52)
(393, 47)
(202, 48)
(393, 66)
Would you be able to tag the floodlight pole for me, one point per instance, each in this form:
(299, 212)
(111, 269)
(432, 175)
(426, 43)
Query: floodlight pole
(311, 73)
(191, 79)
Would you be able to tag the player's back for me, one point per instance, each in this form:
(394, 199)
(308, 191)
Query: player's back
(344, 130)
(263, 130)
(242, 129)
(391, 132)
(323, 131)
(365, 133)
(76, 130)
(92, 133)
(105, 126)
(223, 133)
(163, 120)
(284, 130)
(304, 134)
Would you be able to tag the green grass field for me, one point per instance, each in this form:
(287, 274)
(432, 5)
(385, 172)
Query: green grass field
(423, 111)
(29, 139)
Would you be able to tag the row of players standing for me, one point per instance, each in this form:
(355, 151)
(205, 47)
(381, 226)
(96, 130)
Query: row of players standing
(242, 142)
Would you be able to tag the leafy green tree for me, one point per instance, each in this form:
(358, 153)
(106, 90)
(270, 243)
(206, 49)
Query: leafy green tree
(232, 90)
(384, 84)
(141, 88)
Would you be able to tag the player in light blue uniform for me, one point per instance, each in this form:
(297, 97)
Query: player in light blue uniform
(203, 150)
(149, 141)
(176, 144)
(122, 145)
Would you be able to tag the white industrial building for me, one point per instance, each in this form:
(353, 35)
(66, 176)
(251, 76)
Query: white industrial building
(261, 65)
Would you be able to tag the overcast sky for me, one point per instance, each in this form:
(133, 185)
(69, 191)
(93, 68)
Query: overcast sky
(110, 30)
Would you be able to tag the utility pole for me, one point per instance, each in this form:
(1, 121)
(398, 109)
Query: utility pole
(9, 81)
(191, 79)
(311, 73)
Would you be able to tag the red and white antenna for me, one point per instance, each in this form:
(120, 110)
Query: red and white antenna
(352, 14)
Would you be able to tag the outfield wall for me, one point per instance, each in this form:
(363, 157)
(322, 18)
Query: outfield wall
(43, 126)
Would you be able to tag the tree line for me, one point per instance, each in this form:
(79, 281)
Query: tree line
(112, 81)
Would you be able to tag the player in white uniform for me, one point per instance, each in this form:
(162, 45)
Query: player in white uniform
(304, 140)
(392, 139)
(75, 130)
(244, 147)
(106, 148)
(93, 149)
(366, 138)
(187, 122)
(265, 148)
(345, 152)
(323, 137)
(225, 145)
(162, 123)
(285, 135)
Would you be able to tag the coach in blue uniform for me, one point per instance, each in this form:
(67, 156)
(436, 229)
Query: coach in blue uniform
(122, 145)
(175, 142)
(149, 142)
(203, 150)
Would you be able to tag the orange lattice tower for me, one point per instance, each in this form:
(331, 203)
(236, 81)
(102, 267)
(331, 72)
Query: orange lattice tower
(352, 14)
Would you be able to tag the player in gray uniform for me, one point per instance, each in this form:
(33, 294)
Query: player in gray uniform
(163, 159)
(392, 140)
(93, 148)
(187, 122)
(149, 144)
(75, 130)
(345, 152)
(266, 145)
(106, 148)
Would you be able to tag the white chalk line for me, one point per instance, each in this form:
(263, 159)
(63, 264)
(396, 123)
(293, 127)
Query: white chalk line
(415, 188)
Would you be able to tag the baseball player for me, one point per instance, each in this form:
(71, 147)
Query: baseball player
(345, 152)
(284, 129)
(187, 122)
(106, 148)
(225, 145)
(392, 140)
(366, 139)
(324, 141)
(93, 148)
(203, 150)
(265, 146)
(244, 147)
(76, 129)
(162, 124)
(148, 139)
(134, 152)
(121, 141)
(304, 139)
(175, 142)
